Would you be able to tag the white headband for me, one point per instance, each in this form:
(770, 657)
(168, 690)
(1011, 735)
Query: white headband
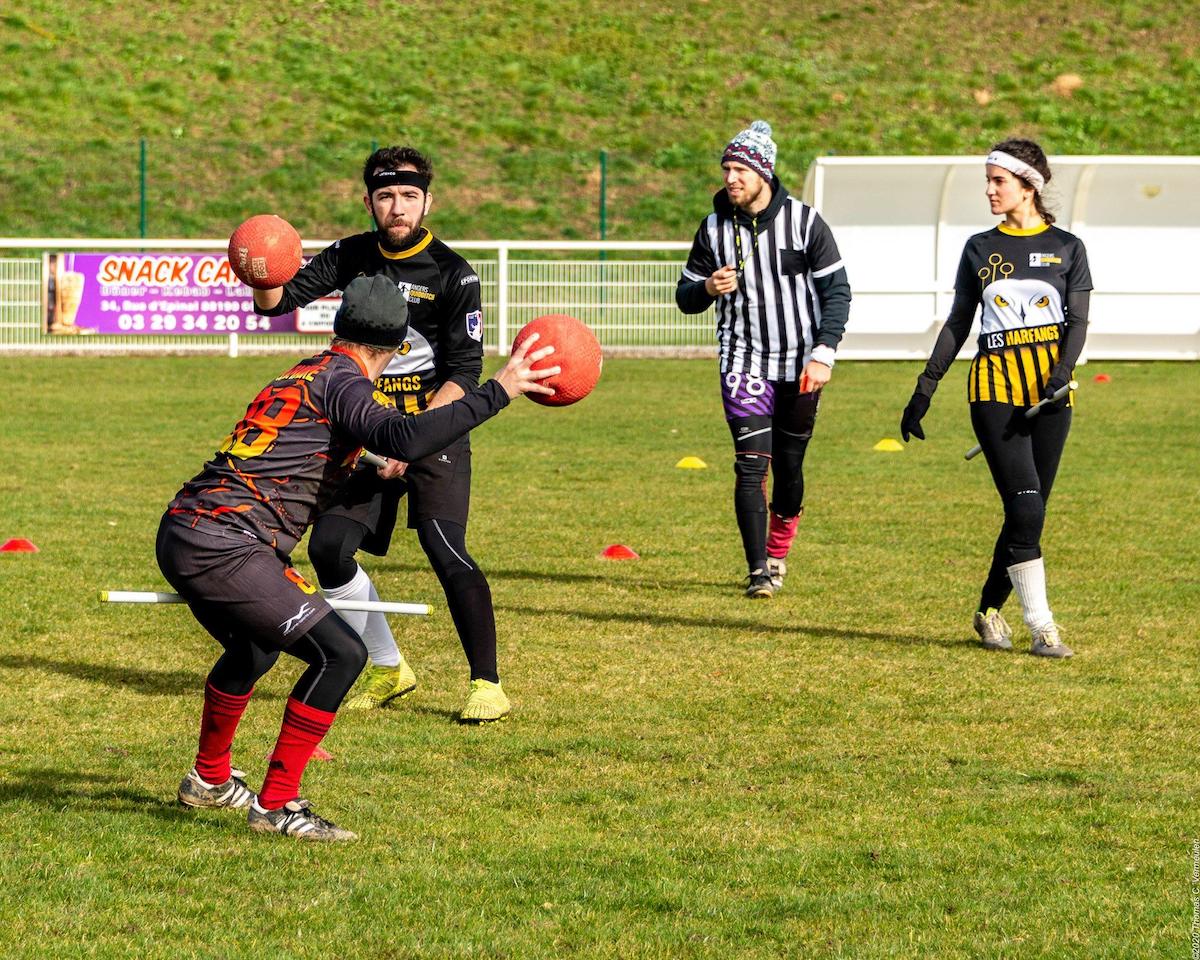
(1010, 163)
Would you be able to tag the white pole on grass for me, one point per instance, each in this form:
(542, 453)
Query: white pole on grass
(370, 606)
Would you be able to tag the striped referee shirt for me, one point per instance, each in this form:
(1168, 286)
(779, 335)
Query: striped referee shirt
(793, 297)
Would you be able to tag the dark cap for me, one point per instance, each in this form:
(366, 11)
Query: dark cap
(373, 312)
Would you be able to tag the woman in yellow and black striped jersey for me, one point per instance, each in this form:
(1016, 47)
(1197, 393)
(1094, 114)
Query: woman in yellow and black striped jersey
(1033, 283)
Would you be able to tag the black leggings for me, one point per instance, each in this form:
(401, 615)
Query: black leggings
(336, 539)
(334, 654)
(1023, 455)
(779, 442)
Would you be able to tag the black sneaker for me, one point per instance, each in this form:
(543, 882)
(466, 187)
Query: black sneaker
(233, 793)
(759, 585)
(295, 819)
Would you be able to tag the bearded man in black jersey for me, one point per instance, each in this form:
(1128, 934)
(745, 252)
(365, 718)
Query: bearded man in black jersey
(440, 360)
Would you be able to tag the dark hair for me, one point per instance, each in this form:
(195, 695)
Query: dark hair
(1029, 152)
(393, 158)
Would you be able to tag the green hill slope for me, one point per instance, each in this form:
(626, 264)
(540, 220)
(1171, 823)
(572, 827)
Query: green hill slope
(276, 107)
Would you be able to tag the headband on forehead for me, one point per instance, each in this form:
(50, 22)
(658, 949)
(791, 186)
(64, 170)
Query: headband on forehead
(998, 158)
(396, 178)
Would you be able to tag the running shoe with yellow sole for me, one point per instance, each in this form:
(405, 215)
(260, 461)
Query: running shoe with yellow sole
(486, 702)
(383, 685)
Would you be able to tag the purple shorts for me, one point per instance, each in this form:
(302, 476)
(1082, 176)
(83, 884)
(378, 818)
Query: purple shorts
(747, 396)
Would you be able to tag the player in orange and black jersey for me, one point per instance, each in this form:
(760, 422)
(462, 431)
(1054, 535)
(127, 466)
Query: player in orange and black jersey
(1033, 283)
(440, 359)
(225, 542)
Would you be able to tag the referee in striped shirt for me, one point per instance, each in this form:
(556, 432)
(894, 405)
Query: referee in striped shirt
(771, 265)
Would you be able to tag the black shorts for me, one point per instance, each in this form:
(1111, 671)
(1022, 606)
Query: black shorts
(438, 488)
(236, 584)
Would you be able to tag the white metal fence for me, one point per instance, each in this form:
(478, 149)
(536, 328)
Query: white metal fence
(629, 302)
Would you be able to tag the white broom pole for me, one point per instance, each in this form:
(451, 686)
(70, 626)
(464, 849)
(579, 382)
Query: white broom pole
(371, 606)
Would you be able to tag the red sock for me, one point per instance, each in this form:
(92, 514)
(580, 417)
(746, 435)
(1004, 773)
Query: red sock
(780, 534)
(303, 728)
(218, 724)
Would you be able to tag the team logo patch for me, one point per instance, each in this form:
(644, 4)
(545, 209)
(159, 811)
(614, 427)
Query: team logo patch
(383, 399)
(292, 622)
(1043, 260)
(475, 325)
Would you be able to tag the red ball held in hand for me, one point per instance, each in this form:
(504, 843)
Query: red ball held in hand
(264, 251)
(576, 351)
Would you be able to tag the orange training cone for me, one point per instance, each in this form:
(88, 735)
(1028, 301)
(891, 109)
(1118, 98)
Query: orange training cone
(1102, 378)
(618, 551)
(18, 545)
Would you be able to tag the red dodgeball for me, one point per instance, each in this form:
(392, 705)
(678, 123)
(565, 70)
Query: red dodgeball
(576, 350)
(264, 251)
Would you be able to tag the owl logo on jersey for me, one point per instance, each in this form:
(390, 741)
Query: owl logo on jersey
(1010, 304)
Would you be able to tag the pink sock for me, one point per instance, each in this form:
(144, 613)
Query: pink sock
(781, 533)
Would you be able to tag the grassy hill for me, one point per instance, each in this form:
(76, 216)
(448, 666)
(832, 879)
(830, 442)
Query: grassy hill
(276, 107)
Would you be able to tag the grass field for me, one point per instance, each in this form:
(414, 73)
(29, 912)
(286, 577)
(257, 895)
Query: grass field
(276, 110)
(839, 772)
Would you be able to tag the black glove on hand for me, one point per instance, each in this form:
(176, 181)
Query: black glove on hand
(1053, 385)
(910, 420)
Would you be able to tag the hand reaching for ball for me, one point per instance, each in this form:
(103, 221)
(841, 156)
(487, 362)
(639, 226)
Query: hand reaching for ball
(518, 377)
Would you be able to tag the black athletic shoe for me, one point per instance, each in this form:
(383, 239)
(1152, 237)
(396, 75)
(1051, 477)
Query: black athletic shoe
(759, 585)
(233, 793)
(295, 819)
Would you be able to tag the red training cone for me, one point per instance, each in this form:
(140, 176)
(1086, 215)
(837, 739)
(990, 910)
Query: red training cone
(18, 545)
(618, 551)
(1102, 378)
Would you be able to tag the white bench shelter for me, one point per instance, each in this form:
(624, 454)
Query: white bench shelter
(901, 222)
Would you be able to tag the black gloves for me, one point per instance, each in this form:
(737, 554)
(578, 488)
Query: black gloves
(910, 420)
(1053, 385)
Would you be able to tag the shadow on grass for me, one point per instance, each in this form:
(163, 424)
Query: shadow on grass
(747, 626)
(73, 789)
(545, 576)
(151, 682)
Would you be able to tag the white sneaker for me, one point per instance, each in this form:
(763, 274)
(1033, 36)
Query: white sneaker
(993, 631)
(1047, 643)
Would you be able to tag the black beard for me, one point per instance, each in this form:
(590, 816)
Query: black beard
(393, 238)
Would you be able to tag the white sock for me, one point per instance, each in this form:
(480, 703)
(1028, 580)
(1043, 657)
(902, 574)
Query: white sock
(381, 648)
(377, 635)
(1029, 580)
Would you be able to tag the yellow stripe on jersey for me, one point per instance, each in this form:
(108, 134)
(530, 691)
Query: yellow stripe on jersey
(416, 402)
(411, 251)
(1022, 231)
(1015, 376)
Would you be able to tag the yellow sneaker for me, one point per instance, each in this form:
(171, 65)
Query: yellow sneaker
(381, 685)
(486, 702)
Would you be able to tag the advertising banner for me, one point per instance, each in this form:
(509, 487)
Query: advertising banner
(162, 293)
